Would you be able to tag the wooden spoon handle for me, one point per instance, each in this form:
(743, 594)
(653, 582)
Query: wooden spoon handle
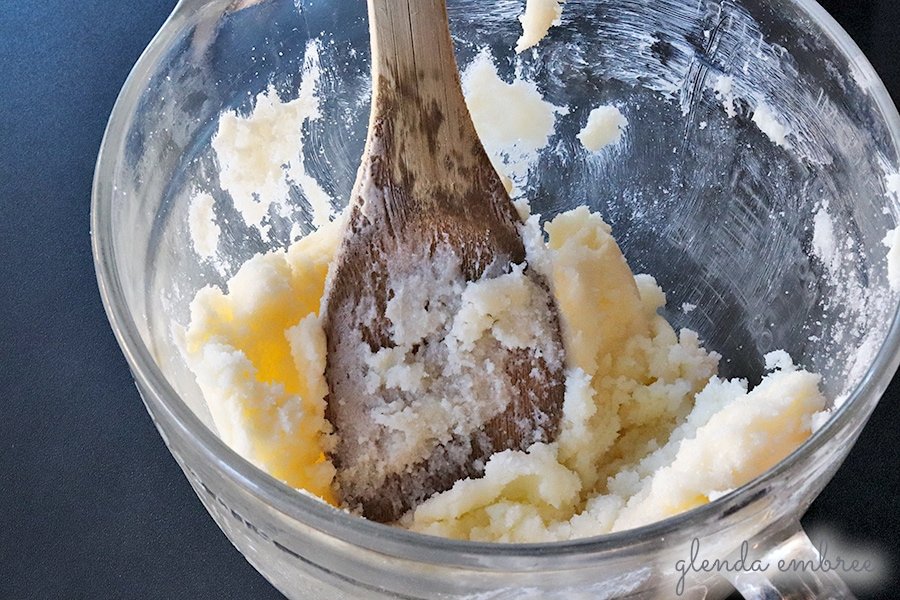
(399, 27)
(417, 92)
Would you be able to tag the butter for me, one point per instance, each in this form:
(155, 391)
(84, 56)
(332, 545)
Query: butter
(512, 119)
(643, 419)
(202, 225)
(538, 18)
(604, 127)
(258, 352)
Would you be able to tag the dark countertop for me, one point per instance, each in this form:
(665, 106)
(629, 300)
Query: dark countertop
(92, 504)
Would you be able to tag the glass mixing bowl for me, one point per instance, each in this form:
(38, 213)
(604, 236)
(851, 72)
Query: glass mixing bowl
(778, 241)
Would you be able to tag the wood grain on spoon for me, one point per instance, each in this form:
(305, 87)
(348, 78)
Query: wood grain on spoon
(425, 189)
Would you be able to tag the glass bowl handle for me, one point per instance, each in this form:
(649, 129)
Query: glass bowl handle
(795, 570)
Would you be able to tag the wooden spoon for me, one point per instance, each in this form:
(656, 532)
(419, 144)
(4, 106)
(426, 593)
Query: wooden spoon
(426, 200)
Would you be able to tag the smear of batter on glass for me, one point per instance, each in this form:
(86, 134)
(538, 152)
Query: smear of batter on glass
(538, 18)
(258, 176)
(604, 127)
(202, 224)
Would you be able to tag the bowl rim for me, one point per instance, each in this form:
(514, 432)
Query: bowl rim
(164, 403)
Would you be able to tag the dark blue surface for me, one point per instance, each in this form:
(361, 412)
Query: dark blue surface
(91, 503)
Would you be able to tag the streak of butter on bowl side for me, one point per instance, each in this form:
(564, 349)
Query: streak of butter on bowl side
(513, 130)
(892, 242)
(538, 18)
(604, 127)
(202, 224)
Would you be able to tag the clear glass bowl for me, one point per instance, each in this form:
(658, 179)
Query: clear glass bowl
(778, 246)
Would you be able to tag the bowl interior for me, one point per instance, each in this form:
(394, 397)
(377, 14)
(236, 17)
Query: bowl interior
(754, 180)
